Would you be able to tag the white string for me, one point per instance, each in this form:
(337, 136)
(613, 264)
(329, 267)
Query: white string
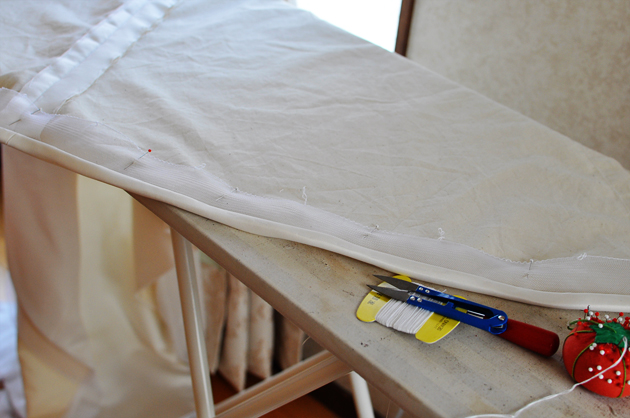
(304, 195)
(546, 398)
(402, 316)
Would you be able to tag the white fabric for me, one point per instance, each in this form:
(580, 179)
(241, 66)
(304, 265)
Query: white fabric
(215, 293)
(260, 342)
(268, 120)
(90, 341)
(95, 52)
(12, 395)
(233, 363)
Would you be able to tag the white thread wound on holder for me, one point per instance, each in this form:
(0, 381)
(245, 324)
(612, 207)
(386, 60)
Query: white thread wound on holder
(402, 316)
(555, 395)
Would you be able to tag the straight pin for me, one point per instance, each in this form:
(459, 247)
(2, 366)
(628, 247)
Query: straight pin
(148, 151)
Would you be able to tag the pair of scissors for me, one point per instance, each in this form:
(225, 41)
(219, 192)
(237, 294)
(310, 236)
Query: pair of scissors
(489, 319)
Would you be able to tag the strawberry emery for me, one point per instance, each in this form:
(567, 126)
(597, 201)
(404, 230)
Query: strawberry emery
(594, 345)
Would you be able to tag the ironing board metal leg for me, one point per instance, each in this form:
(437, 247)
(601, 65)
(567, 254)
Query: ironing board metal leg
(283, 387)
(195, 341)
(361, 394)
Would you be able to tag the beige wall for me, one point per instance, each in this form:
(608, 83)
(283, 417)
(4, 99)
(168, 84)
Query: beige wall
(564, 63)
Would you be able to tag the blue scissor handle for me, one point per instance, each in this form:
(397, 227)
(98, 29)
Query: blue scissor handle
(471, 313)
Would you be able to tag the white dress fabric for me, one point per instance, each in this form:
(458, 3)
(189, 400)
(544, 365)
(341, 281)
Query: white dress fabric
(266, 119)
(12, 402)
(260, 116)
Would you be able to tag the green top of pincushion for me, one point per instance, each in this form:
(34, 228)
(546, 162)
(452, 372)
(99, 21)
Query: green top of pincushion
(610, 333)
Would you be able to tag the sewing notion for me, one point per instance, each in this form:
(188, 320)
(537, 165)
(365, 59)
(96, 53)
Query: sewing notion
(421, 302)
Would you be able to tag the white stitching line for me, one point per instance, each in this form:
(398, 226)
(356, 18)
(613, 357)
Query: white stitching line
(9, 140)
(163, 5)
(89, 35)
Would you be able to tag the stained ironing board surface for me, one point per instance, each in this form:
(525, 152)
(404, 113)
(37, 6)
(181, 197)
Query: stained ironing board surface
(262, 117)
(469, 372)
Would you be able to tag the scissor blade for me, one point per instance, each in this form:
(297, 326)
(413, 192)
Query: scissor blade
(400, 295)
(400, 284)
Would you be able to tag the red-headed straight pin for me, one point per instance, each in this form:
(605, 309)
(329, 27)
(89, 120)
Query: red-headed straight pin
(148, 151)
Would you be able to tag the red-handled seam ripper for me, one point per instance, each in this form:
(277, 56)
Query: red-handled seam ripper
(495, 321)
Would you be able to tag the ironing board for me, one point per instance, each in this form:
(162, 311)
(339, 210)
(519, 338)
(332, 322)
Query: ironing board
(470, 372)
(261, 117)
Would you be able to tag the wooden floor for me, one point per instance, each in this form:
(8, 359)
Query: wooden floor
(304, 407)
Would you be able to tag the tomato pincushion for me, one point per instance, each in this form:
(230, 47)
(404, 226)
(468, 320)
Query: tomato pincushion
(593, 346)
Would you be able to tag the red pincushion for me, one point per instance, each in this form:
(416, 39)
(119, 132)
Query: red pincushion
(593, 346)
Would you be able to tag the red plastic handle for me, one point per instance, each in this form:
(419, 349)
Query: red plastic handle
(532, 338)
